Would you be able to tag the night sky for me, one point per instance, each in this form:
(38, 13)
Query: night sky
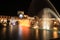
(10, 7)
(56, 4)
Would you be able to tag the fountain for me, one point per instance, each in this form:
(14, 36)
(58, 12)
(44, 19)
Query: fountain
(46, 13)
(45, 10)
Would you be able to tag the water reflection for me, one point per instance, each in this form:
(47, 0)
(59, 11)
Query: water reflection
(45, 35)
(55, 34)
(37, 37)
(26, 33)
(3, 32)
(19, 33)
(11, 28)
(4, 29)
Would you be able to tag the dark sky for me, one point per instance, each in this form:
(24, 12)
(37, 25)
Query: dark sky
(10, 7)
(56, 3)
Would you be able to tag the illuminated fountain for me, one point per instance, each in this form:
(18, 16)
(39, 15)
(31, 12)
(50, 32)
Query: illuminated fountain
(45, 21)
(46, 13)
(47, 16)
(45, 10)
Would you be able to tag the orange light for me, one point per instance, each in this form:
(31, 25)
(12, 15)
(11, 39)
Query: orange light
(24, 22)
(55, 28)
(55, 22)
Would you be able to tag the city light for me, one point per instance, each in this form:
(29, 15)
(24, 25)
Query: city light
(46, 24)
(55, 28)
(24, 23)
(55, 22)
(21, 16)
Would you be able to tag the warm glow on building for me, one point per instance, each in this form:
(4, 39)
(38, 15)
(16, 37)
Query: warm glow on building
(55, 28)
(24, 22)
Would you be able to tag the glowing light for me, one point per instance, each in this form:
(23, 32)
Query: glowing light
(21, 15)
(46, 24)
(35, 27)
(24, 22)
(46, 16)
(5, 24)
(55, 22)
(55, 28)
(1, 20)
(13, 21)
(5, 20)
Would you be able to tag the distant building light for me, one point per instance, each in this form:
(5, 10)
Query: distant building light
(21, 16)
(55, 28)
(14, 23)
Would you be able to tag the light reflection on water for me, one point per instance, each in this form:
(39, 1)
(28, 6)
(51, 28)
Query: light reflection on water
(55, 34)
(11, 28)
(4, 32)
(24, 33)
(19, 33)
(46, 35)
(4, 29)
(37, 37)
